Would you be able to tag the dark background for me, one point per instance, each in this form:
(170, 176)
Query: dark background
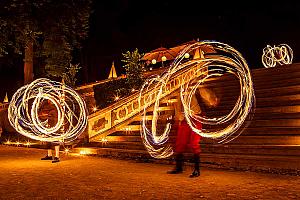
(121, 25)
(118, 26)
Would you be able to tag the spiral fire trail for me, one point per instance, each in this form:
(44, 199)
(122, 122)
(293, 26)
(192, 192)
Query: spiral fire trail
(226, 59)
(281, 54)
(26, 103)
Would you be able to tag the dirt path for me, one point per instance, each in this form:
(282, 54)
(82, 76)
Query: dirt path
(24, 176)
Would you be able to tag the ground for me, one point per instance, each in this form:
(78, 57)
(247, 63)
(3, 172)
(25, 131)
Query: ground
(24, 176)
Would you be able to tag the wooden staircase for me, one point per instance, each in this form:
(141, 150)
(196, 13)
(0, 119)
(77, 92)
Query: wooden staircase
(126, 142)
(270, 143)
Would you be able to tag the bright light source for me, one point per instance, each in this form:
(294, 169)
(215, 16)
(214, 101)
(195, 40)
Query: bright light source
(153, 61)
(66, 150)
(186, 55)
(27, 143)
(104, 140)
(82, 152)
(117, 98)
(164, 58)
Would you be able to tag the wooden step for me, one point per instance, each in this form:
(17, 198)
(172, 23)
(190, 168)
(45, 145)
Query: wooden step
(137, 133)
(267, 139)
(165, 108)
(276, 123)
(119, 145)
(260, 140)
(263, 116)
(249, 131)
(260, 110)
(288, 100)
(283, 79)
(285, 131)
(260, 92)
(226, 88)
(129, 128)
(265, 135)
(265, 123)
(280, 150)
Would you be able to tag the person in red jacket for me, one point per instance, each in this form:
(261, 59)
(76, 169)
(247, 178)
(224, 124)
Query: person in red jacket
(186, 137)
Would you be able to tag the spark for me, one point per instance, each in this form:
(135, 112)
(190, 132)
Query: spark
(104, 140)
(95, 109)
(27, 143)
(66, 150)
(117, 98)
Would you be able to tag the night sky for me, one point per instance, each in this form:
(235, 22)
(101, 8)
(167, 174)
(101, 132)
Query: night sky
(121, 25)
(118, 26)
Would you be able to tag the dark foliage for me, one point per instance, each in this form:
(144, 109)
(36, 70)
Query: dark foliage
(106, 93)
(56, 28)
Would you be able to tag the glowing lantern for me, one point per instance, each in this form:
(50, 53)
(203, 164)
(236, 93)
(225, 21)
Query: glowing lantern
(153, 61)
(164, 58)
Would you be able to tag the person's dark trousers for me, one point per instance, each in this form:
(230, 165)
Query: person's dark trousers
(196, 160)
(179, 165)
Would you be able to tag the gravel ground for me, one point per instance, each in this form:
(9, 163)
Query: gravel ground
(24, 176)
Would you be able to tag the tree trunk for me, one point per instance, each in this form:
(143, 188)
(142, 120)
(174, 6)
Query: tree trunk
(28, 63)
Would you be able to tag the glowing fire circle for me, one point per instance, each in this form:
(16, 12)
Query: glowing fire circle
(26, 103)
(225, 59)
(277, 55)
